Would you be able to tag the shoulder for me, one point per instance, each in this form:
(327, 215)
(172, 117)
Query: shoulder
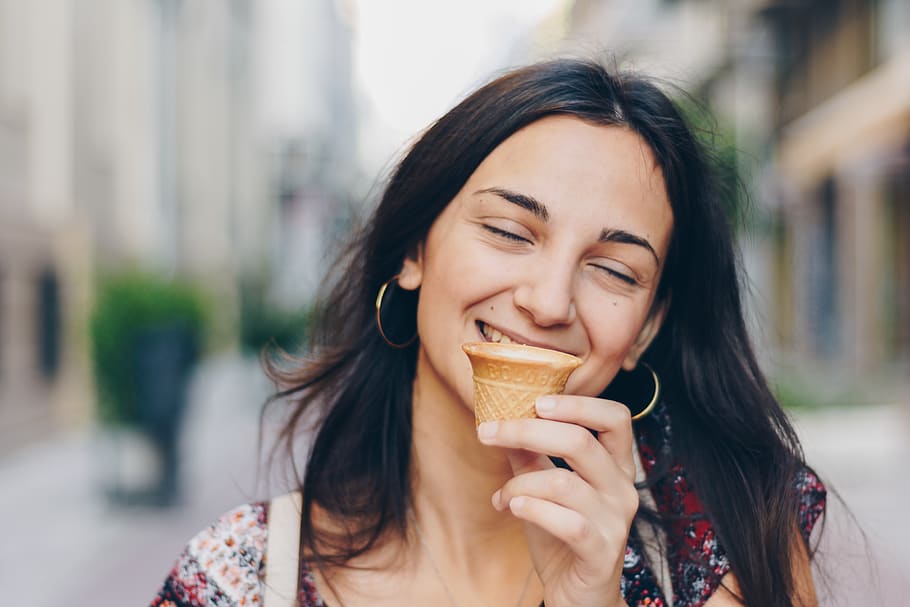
(222, 565)
(812, 499)
(696, 560)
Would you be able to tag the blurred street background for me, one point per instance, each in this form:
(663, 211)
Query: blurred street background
(175, 175)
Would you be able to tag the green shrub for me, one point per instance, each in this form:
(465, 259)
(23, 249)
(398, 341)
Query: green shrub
(127, 305)
(263, 324)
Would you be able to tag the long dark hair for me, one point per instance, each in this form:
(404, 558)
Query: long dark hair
(739, 451)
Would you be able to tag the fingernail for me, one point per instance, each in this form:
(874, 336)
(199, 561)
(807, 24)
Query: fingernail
(487, 430)
(546, 403)
(497, 499)
(516, 503)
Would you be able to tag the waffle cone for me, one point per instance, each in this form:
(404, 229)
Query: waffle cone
(508, 378)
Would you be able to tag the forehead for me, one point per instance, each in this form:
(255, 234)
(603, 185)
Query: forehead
(607, 174)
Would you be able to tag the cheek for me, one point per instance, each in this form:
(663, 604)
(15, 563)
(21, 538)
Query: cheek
(453, 281)
(461, 275)
(612, 322)
(613, 334)
(612, 329)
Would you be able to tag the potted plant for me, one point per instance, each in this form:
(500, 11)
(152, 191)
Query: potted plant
(146, 337)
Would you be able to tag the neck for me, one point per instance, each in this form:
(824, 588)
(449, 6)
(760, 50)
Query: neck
(454, 477)
(460, 550)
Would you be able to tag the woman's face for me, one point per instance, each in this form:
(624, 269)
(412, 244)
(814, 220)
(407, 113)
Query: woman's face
(556, 240)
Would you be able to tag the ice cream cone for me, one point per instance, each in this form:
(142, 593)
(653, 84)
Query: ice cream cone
(508, 378)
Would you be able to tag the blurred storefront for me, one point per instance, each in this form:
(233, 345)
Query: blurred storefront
(151, 135)
(43, 292)
(44, 240)
(843, 158)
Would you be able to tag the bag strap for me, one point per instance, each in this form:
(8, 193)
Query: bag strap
(283, 551)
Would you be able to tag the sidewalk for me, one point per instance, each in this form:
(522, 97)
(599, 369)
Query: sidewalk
(862, 453)
(64, 545)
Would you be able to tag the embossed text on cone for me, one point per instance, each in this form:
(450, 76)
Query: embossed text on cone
(508, 378)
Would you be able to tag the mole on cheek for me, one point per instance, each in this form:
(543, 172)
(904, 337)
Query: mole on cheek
(491, 308)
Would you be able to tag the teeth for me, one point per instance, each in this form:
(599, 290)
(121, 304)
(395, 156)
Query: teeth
(485, 329)
(494, 335)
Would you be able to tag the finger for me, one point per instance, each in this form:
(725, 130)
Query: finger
(577, 532)
(573, 443)
(553, 530)
(611, 420)
(568, 489)
(556, 485)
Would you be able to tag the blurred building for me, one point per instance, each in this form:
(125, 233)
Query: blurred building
(44, 234)
(842, 152)
(308, 123)
(137, 133)
(682, 41)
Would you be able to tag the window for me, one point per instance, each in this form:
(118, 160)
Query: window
(896, 295)
(823, 276)
(48, 317)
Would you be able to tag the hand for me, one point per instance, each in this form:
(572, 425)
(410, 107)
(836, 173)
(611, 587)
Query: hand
(577, 522)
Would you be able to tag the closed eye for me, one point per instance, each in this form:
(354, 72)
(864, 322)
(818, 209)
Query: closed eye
(505, 234)
(619, 275)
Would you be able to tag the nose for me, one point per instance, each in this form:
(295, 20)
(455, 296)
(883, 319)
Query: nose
(547, 295)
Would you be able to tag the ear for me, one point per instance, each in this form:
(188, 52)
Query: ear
(647, 334)
(411, 275)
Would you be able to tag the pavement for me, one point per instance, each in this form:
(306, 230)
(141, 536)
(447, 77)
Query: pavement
(861, 453)
(66, 545)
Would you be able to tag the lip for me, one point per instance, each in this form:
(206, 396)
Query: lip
(518, 338)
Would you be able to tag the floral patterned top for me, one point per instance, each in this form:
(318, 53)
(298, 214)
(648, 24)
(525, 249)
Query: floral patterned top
(224, 565)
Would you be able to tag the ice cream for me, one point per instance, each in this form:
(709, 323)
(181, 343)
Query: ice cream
(508, 378)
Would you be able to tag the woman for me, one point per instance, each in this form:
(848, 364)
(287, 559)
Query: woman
(566, 207)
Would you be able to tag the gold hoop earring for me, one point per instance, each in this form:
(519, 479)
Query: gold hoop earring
(628, 387)
(654, 397)
(379, 299)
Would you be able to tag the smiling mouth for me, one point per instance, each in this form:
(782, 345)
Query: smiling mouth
(493, 335)
(496, 336)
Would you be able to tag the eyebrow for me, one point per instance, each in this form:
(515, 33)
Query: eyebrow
(624, 237)
(529, 203)
(540, 211)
